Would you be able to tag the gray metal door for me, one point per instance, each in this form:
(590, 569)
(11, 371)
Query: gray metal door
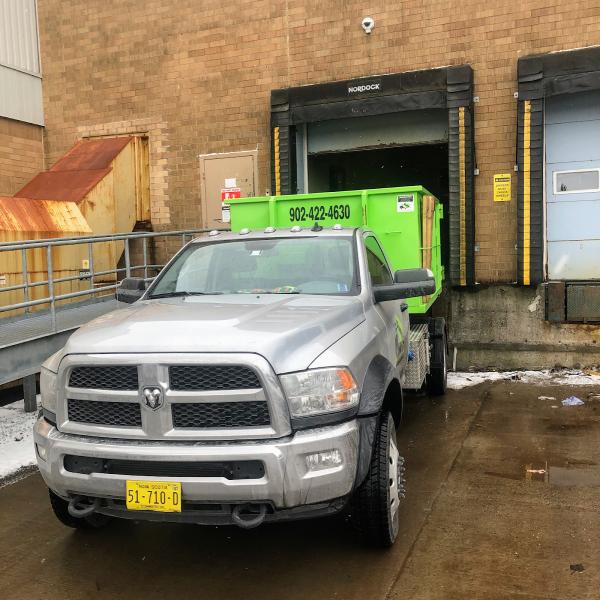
(223, 171)
(573, 186)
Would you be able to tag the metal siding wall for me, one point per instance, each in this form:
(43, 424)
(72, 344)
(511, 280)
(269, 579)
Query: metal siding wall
(20, 71)
(19, 35)
(21, 96)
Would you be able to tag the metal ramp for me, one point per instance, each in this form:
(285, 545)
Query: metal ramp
(26, 342)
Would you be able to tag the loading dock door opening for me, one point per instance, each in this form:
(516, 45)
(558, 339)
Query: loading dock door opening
(425, 165)
(388, 150)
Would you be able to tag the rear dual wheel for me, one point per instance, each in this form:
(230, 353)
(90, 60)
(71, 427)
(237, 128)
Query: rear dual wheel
(437, 380)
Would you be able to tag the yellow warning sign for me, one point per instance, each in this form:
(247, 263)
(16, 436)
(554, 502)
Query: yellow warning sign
(502, 187)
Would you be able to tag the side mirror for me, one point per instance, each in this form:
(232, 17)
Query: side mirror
(409, 283)
(131, 289)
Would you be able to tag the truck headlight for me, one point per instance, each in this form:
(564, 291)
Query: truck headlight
(319, 391)
(48, 381)
(48, 389)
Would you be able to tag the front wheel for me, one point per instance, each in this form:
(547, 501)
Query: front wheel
(376, 503)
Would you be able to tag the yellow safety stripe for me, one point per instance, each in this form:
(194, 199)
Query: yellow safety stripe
(462, 195)
(277, 162)
(527, 193)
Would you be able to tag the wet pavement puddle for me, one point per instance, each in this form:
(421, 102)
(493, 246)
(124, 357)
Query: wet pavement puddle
(578, 473)
(567, 477)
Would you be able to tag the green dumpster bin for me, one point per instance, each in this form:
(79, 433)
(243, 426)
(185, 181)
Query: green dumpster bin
(405, 219)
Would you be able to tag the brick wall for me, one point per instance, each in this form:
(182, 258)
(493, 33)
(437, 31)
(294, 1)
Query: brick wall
(196, 76)
(21, 154)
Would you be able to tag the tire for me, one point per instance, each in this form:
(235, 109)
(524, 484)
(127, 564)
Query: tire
(61, 510)
(437, 380)
(375, 504)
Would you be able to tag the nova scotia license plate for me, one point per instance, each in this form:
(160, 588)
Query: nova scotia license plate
(161, 496)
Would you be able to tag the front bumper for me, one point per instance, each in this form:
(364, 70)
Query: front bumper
(287, 481)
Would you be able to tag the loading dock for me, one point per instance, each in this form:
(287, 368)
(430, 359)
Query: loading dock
(412, 128)
(559, 181)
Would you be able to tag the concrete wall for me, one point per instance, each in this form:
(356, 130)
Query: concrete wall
(503, 327)
(21, 154)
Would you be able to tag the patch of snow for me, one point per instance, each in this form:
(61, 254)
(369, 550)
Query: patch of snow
(460, 380)
(16, 438)
(572, 401)
(535, 304)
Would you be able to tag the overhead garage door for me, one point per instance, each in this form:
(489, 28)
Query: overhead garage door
(572, 124)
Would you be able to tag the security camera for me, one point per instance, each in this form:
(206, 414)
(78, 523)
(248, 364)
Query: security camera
(367, 24)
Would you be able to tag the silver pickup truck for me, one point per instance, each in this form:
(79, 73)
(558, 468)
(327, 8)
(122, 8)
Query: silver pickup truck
(258, 378)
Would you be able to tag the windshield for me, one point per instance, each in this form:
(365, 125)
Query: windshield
(307, 265)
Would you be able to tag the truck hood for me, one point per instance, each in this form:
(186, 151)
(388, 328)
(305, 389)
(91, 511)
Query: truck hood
(289, 331)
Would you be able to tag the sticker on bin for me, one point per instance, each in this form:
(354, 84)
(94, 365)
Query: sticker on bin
(405, 203)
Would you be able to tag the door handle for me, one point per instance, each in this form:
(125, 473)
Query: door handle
(403, 306)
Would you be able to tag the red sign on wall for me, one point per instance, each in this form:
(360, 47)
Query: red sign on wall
(228, 193)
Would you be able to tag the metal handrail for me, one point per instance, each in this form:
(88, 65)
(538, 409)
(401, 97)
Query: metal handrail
(90, 274)
(66, 241)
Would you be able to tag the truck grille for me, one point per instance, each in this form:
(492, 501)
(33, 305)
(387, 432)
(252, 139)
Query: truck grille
(212, 378)
(115, 414)
(105, 378)
(220, 414)
(203, 398)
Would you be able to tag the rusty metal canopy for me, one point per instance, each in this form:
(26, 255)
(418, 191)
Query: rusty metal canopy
(77, 172)
(47, 216)
(72, 186)
(91, 155)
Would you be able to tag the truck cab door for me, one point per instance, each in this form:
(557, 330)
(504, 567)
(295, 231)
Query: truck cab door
(393, 312)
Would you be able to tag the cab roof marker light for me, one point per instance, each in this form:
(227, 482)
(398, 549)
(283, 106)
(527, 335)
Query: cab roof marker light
(213, 232)
(270, 230)
(337, 227)
(296, 229)
(244, 231)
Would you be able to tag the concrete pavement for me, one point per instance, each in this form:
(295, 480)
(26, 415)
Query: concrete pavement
(481, 520)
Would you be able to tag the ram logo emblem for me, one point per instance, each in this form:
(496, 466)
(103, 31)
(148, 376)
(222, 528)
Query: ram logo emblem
(153, 397)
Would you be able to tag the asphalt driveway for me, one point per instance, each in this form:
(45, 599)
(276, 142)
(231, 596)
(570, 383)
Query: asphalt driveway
(503, 501)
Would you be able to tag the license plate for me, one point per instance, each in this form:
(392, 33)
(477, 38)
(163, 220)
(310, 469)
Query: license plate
(160, 496)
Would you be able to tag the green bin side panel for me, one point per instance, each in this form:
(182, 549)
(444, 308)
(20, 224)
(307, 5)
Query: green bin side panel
(397, 224)
(252, 213)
